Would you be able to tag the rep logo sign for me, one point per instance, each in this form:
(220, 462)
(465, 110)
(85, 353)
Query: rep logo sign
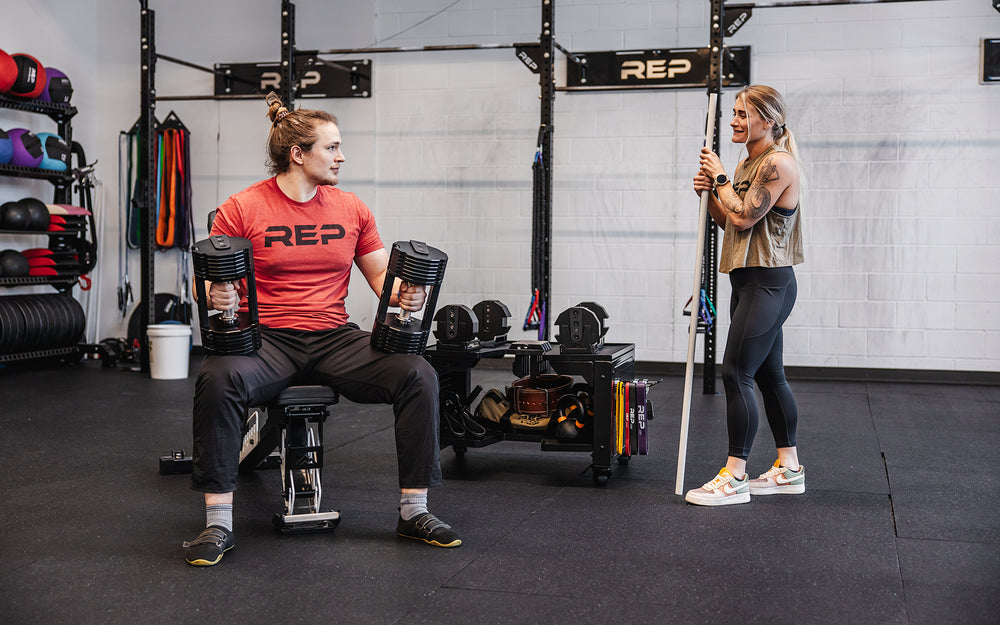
(655, 69)
(315, 78)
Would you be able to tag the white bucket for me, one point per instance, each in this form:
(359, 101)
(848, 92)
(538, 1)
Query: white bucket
(169, 351)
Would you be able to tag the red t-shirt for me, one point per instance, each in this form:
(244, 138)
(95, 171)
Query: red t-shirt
(302, 251)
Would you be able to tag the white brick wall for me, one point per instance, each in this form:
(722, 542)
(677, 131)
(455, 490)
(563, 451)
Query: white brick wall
(901, 151)
(900, 148)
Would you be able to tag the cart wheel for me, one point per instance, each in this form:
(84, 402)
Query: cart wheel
(623, 460)
(601, 476)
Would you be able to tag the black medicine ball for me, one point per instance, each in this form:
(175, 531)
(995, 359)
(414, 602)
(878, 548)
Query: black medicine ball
(14, 216)
(38, 213)
(14, 264)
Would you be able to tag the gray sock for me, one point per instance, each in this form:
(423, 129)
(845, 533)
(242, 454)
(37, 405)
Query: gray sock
(411, 505)
(220, 514)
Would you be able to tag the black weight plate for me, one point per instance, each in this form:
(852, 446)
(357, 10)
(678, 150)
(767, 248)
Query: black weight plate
(47, 330)
(78, 320)
(33, 323)
(26, 335)
(74, 313)
(6, 329)
(17, 325)
(59, 322)
(51, 328)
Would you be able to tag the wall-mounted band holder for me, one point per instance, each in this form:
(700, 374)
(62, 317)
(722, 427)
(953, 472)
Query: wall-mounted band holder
(581, 328)
(413, 262)
(221, 258)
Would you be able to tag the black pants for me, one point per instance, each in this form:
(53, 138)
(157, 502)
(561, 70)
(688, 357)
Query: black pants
(342, 359)
(762, 299)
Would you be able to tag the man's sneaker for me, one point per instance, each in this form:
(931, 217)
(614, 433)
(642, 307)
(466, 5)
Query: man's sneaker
(208, 548)
(430, 529)
(779, 481)
(724, 490)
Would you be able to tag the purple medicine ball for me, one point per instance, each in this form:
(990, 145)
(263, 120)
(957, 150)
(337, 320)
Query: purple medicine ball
(6, 148)
(58, 89)
(28, 150)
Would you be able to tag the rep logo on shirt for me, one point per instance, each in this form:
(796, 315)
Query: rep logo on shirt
(303, 234)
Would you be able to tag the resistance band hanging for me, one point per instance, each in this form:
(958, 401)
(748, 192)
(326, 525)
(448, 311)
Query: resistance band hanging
(126, 141)
(173, 184)
(174, 215)
(128, 160)
(706, 312)
(536, 317)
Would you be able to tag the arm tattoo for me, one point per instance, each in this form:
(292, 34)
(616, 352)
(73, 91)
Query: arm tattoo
(760, 201)
(759, 198)
(768, 172)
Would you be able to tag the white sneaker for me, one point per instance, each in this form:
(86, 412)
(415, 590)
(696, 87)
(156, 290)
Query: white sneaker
(724, 490)
(779, 480)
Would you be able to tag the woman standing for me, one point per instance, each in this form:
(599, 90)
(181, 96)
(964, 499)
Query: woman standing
(759, 211)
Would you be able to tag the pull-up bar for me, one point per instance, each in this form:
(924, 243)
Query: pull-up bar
(457, 46)
(808, 3)
(209, 70)
(440, 48)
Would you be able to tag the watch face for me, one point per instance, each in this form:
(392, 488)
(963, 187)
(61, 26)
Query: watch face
(721, 179)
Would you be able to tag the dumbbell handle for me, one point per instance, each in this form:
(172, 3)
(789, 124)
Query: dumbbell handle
(404, 315)
(230, 316)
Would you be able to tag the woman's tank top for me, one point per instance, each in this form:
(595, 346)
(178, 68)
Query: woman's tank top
(774, 241)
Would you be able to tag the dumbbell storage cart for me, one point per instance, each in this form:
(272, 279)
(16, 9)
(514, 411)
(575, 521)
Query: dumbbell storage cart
(599, 364)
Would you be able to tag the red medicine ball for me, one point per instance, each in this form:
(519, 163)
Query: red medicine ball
(8, 71)
(30, 77)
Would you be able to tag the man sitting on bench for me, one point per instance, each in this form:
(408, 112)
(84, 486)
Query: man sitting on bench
(306, 234)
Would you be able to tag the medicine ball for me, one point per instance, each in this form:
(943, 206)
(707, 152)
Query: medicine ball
(14, 264)
(38, 213)
(30, 80)
(27, 148)
(55, 152)
(58, 88)
(6, 148)
(8, 72)
(14, 216)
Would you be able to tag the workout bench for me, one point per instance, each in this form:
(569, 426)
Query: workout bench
(285, 433)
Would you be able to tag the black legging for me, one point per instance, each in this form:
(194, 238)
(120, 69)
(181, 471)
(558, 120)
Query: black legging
(762, 299)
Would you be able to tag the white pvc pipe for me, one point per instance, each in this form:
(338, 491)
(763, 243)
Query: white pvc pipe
(713, 99)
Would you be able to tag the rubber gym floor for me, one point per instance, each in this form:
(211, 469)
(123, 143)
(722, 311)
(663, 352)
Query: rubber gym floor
(899, 523)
